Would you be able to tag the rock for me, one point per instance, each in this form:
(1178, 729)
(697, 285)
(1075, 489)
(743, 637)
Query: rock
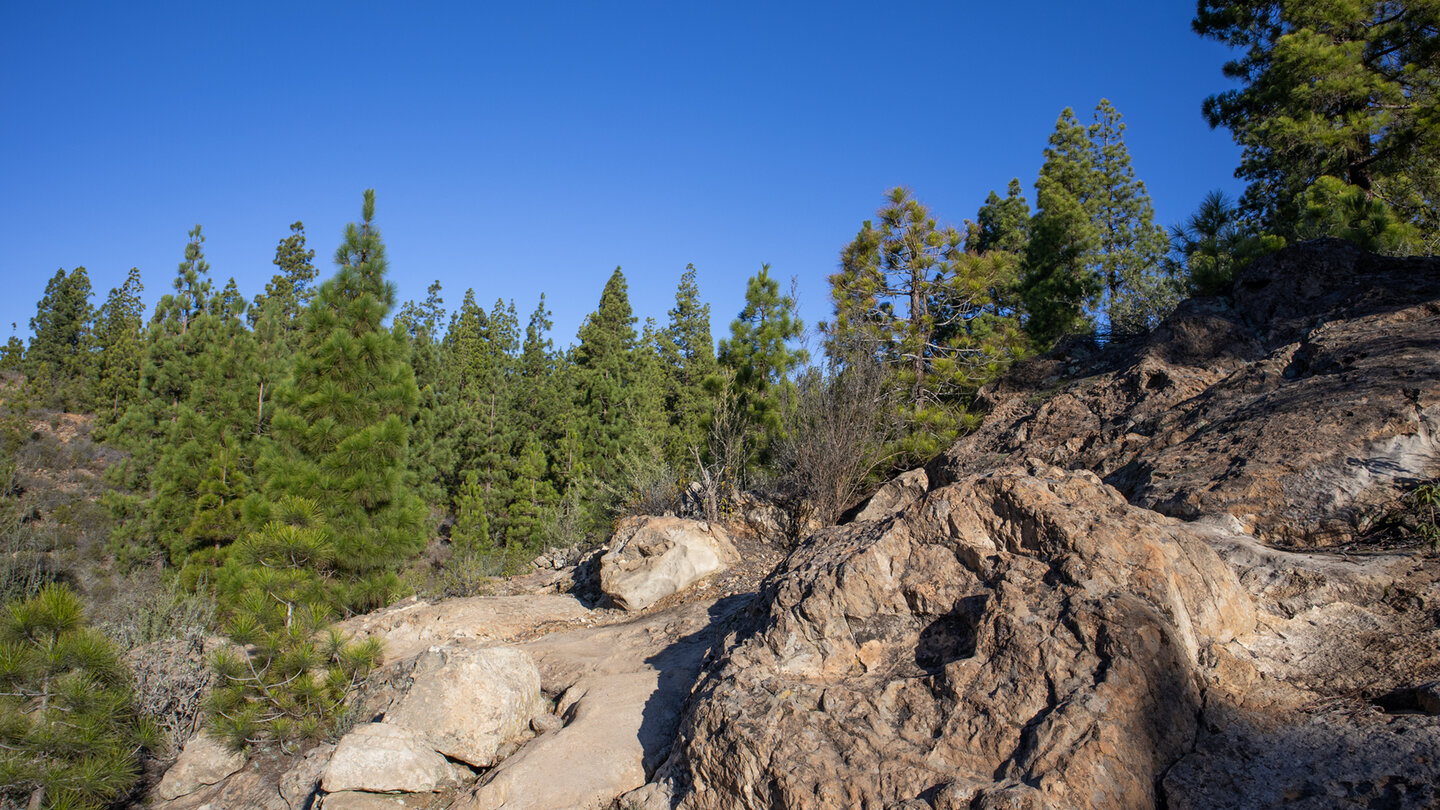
(385, 758)
(301, 782)
(468, 703)
(546, 723)
(355, 800)
(624, 687)
(894, 495)
(413, 626)
(1300, 408)
(653, 557)
(204, 761)
(1026, 633)
(1427, 697)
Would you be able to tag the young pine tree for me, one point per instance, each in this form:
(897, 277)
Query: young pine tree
(70, 735)
(342, 424)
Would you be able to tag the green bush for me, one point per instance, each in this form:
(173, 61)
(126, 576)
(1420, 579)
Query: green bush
(69, 733)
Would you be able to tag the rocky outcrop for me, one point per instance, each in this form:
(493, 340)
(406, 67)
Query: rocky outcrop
(621, 691)
(1300, 407)
(1021, 636)
(651, 558)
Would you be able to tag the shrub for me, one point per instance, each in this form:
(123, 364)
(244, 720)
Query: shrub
(69, 732)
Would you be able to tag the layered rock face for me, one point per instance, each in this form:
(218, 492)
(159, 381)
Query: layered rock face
(1021, 638)
(1028, 634)
(1300, 408)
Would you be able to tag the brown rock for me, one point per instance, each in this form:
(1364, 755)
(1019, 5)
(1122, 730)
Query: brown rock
(383, 758)
(894, 495)
(1025, 633)
(1299, 409)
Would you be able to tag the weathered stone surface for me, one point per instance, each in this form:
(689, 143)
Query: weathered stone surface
(468, 703)
(653, 557)
(1025, 633)
(356, 800)
(1299, 408)
(894, 495)
(204, 761)
(385, 758)
(414, 626)
(302, 781)
(624, 687)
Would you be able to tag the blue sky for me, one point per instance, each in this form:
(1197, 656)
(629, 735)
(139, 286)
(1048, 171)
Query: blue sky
(522, 148)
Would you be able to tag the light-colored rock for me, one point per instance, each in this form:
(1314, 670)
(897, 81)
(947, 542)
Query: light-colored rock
(414, 626)
(204, 761)
(894, 495)
(385, 758)
(468, 703)
(624, 688)
(653, 557)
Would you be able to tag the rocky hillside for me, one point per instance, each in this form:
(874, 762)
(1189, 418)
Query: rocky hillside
(1153, 579)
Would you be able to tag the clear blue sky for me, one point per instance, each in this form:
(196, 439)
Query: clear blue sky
(521, 148)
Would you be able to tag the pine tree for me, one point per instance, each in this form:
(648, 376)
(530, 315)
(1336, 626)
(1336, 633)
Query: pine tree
(342, 423)
(60, 356)
(909, 296)
(1131, 248)
(687, 352)
(1058, 282)
(290, 683)
(605, 372)
(150, 430)
(1345, 90)
(1002, 224)
(759, 357)
(432, 447)
(70, 735)
(275, 317)
(121, 342)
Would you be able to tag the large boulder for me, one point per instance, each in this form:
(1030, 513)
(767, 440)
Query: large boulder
(204, 761)
(469, 703)
(385, 758)
(1023, 638)
(653, 557)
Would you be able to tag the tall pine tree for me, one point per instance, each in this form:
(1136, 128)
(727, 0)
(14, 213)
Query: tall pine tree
(342, 423)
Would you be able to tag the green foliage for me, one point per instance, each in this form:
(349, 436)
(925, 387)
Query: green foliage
(1058, 283)
(942, 321)
(69, 732)
(60, 352)
(759, 357)
(342, 423)
(120, 341)
(1425, 501)
(687, 355)
(1345, 90)
(1214, 244)
(1331, 207)
(288, 681)
(1094, 248)
(606, 373)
